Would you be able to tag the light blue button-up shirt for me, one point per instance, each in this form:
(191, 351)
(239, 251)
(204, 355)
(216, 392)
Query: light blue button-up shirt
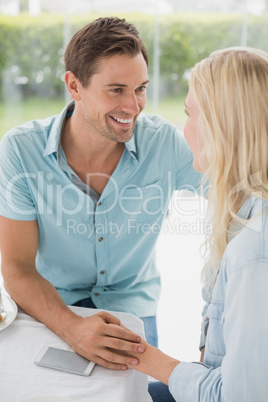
(235, 365)
(106, 251)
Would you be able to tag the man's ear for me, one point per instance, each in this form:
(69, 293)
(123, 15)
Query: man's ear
(73, 85)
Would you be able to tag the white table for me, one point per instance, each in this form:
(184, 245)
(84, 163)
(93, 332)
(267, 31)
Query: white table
(20, 378)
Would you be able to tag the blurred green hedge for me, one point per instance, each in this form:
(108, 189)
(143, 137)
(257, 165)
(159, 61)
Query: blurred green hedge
(32, 48)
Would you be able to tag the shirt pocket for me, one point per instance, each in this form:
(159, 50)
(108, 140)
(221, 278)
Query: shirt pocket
(215, 340)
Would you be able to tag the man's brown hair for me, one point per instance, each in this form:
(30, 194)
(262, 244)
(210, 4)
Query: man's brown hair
(102, 38)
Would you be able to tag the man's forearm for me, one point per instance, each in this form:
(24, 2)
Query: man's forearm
(99, 337)
(38, 298)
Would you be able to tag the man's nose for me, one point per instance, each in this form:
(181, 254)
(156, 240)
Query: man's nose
(130, 104)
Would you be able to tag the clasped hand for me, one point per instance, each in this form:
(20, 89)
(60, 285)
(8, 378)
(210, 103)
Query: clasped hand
(102, 338)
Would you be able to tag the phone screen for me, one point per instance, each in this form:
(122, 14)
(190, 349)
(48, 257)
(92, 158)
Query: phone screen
(64, 360)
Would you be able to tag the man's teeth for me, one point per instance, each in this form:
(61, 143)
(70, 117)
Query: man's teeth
(122, 120)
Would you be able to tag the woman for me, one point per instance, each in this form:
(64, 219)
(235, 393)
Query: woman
(227, 130)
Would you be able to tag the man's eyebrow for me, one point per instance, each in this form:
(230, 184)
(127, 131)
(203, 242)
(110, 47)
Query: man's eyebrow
(116, 85)
(145, 82)
(125, 86)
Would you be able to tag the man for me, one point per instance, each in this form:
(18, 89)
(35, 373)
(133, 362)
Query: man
(83, 195)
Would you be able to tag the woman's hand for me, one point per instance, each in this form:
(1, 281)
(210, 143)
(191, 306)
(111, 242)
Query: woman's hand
(202, 354)
(155, 363)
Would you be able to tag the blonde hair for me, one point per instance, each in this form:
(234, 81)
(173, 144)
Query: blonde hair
(231, 91)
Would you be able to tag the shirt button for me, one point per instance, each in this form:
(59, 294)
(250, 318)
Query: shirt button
(100, 239)
(99, 204)
(96, 294)
(102, 272)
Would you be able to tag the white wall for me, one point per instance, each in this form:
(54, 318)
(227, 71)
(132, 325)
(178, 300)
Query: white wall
(180, 264)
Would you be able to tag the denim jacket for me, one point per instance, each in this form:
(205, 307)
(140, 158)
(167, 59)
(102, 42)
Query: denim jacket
(235, 325)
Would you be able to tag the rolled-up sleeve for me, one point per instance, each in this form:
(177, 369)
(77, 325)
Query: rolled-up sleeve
(195, 382)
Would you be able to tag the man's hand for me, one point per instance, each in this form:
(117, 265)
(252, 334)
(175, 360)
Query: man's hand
(99, 337)
(92, 337)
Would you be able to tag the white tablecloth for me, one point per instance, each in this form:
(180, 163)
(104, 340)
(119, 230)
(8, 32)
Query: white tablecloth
(20, 378)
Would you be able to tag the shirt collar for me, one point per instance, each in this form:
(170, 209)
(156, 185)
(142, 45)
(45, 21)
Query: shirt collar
(53, 142)
(131, 147)
(246, 209)
(251, 206)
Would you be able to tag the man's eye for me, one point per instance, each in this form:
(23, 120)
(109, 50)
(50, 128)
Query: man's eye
(116, 90)
(141, 89)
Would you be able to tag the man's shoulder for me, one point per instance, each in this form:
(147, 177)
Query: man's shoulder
(30, 137)
(153, 122)
(31, 128)
(155, 129)
(152, 129)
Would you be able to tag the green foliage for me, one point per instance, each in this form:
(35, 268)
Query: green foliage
(31, 51)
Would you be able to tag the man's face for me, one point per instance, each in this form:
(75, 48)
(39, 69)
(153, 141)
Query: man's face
(115, 96)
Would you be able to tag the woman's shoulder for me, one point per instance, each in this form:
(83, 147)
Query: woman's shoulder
(249, 246)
